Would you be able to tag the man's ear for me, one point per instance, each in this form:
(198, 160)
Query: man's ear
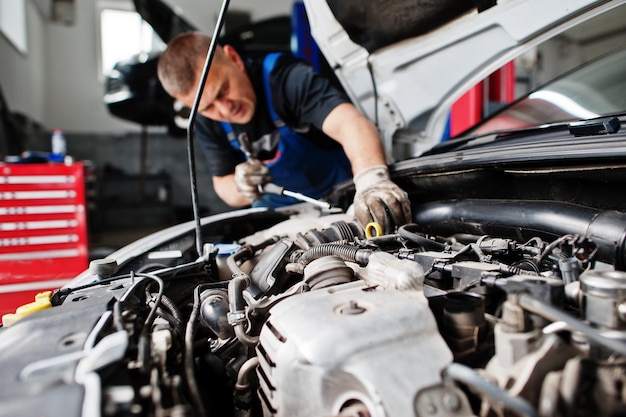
(232, 55)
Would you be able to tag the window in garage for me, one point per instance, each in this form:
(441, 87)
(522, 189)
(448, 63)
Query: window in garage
(123, 34)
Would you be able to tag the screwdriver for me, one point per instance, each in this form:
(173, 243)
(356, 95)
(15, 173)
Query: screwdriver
(270, 188)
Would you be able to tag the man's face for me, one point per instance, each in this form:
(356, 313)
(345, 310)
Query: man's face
(228, 95)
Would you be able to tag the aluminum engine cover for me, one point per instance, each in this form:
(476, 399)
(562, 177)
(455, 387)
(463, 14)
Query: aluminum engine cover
(322, 350)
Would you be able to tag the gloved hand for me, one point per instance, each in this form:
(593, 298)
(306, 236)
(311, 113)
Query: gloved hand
(378, 199)
(249, 175)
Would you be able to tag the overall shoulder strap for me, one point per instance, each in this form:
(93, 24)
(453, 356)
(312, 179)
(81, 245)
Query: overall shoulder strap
(228, 129)
(269, 62)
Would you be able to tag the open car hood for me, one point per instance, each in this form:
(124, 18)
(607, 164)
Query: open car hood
(407, 84)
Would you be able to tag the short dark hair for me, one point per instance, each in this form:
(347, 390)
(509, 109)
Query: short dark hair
(179, 62)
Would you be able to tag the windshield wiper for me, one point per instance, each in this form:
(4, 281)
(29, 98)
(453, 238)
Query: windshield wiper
(595, 127)
(591, 127)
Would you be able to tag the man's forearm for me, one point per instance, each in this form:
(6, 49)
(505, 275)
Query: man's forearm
(226, 189)
(357, 135)
(377, 198)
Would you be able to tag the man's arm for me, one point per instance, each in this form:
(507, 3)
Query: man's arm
(377, 198)
(226, 189)
(357, 135)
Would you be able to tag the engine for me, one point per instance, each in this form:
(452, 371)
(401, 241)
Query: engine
(324, 318)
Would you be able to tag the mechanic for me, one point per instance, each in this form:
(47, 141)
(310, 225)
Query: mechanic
(290, 113)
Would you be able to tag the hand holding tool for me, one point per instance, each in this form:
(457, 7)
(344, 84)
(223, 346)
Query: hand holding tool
(253, 178)
(251, 174)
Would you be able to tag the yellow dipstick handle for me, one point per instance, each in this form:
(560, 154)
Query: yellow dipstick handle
(373, 229)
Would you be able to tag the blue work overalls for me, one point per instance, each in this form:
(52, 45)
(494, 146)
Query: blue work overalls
(299, 165)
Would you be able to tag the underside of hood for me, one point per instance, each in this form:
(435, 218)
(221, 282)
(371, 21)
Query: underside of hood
(375, 24)
(404, 62)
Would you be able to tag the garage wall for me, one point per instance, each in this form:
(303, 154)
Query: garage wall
(22, 76)
(73, 99)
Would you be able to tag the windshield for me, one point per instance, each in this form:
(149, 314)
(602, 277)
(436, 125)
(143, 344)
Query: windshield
(596, 89)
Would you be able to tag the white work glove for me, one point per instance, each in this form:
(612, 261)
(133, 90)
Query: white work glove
(249, 175)
(379, 200)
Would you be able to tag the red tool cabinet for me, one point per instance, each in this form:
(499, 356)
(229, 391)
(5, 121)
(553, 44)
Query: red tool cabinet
(43, 229)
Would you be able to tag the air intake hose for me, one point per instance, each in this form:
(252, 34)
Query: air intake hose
(523, 219)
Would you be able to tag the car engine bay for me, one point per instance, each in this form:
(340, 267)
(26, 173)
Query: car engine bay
(313, 315)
